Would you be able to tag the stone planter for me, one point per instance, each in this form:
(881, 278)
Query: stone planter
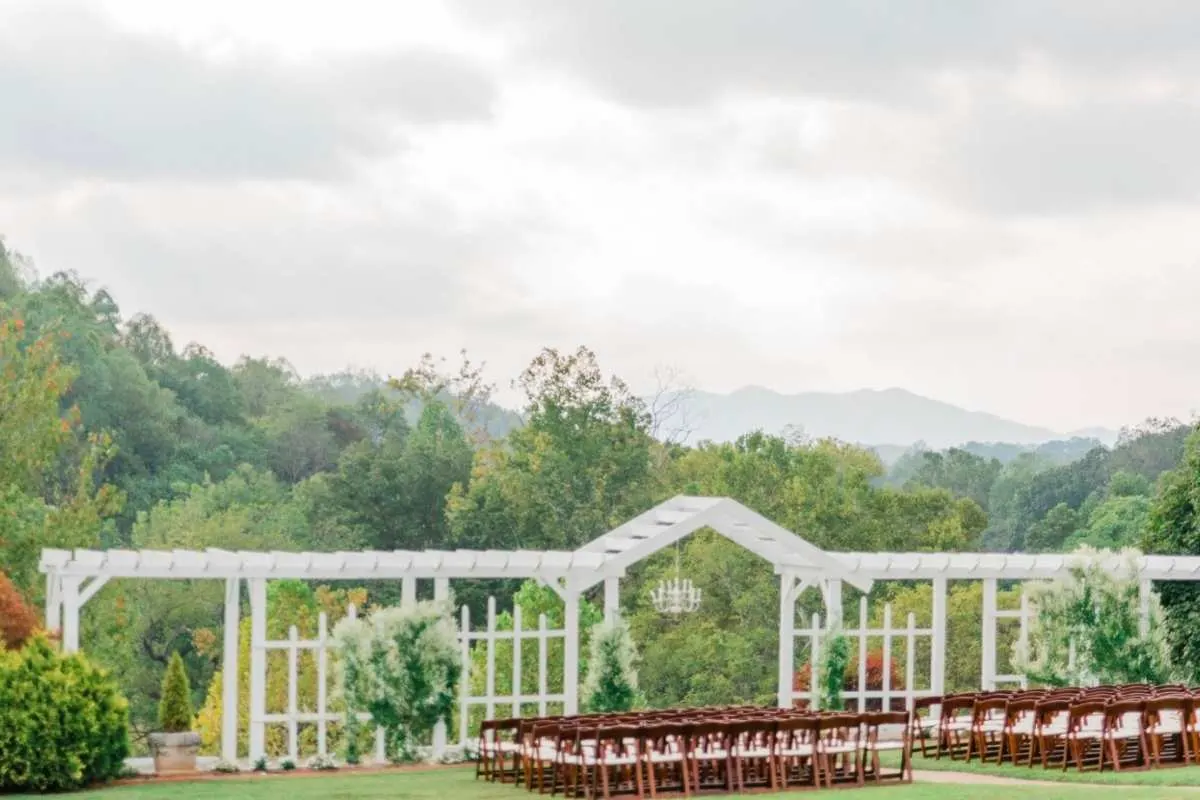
(174, 752)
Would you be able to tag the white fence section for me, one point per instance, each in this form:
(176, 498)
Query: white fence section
(989, 676)
(513, 698)
(909, 635)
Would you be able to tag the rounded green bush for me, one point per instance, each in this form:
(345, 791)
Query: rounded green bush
(63, 724)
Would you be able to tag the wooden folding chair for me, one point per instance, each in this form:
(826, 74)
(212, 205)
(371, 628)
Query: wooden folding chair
(873, 744)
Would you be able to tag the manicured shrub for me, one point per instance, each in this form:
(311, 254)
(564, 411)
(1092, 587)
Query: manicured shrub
(17, 620)
(63, 724)
(175, 707)
(611, 683)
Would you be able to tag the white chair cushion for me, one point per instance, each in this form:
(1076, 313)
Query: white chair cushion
(797, 750)
(665, 758)
(716, 754)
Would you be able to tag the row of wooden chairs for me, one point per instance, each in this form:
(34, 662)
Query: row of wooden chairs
(1118, 727)
(694, 751)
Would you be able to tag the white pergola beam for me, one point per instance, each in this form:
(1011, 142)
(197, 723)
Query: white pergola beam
(397, 565)
(89, 591)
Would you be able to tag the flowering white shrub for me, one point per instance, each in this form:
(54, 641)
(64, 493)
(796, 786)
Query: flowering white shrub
(227, 767)
(325, 763)
(401, 666)
(1086, 629)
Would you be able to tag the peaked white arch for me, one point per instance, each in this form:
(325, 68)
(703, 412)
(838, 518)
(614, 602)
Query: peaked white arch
(668, 522)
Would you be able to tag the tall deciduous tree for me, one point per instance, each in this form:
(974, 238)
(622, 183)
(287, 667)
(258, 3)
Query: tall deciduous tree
(136, 626)
(392, 491)
(579, 466)
(48, 466)
(1174, 528)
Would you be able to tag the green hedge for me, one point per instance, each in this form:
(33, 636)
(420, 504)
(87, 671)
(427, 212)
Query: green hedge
(63, 724)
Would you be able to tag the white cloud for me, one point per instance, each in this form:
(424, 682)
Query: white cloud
(989, 203)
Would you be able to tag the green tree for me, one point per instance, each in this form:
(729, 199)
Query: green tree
(1174, 528)
(1051, 533)
(611, 681)
(393, 491)
(580, 466)
(959, 471)
(300, 442)
(49, 468)
(265, 384)
(136, 626)
(175, 708)
(1116, 523)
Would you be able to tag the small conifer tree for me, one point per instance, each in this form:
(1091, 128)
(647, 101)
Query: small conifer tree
(175, 708)
(835, 662)
(611, 683)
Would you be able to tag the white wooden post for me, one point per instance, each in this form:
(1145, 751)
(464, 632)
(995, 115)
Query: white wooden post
(787, 639)
(380, 745)
(814, 660)
(322, 690)
(887, 658)
(571, 652)
(612, 598)
(70, 621)
(1144, 589)
(831, 591)
(543, 664)
(408, 592)
(441, 593)
(910, 651)
(862, 655)
(293, 728)
(490, 688)
(937, 651)
(1023, 634)
(229, 670)
(988, 671)
(464, 708)
(53, 602)
(258, 668)
(516, 662)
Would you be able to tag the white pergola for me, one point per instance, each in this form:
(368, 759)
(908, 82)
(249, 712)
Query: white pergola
(74, 577)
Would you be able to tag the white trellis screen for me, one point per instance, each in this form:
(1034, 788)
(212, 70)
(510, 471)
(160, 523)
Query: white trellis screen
(511, 697)
(889, 636)
(990, 676)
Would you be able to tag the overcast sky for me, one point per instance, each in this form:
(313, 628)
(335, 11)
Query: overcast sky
(991, 203)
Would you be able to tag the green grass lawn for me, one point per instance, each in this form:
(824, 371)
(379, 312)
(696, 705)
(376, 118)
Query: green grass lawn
(1173, 776)
(460, 784)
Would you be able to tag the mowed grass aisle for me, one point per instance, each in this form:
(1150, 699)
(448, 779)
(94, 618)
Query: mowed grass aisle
(1173, 776)
(460, 784)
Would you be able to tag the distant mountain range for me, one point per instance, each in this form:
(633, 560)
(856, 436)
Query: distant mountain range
(885, 419)
(890, 421)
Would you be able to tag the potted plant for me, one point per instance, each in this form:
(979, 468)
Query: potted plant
(175, 745)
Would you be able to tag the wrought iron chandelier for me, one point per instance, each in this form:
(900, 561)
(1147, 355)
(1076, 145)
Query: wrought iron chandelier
(676, 596)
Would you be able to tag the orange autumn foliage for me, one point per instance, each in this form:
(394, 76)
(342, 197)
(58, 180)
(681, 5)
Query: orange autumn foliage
(17, 620)
(802, 679)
